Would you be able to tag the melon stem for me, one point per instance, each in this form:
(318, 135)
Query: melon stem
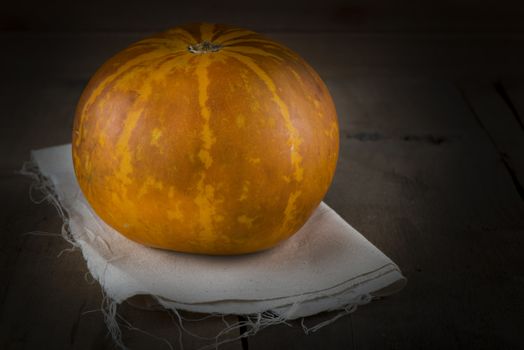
(203, 47)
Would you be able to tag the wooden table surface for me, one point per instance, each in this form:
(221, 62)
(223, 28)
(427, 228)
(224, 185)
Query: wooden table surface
(431, 171)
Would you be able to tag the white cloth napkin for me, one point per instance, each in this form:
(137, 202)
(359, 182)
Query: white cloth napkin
(327, 265)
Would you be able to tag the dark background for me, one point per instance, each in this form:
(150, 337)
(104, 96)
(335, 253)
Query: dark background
(430, 97)
(445, 16)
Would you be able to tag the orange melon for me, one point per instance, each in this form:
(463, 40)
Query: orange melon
(207, 139)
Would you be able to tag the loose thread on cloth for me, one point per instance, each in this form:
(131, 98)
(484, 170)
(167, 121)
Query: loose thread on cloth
(130, 327)
(348, 309)
(252, 323)
(43, 185)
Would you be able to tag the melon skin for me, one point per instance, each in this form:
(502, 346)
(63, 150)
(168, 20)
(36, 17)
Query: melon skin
(205, 138)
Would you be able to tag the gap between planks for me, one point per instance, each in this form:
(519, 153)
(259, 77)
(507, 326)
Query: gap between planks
(497, 115)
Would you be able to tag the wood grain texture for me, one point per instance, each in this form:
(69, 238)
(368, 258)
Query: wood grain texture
(427, 187)
(418, 176)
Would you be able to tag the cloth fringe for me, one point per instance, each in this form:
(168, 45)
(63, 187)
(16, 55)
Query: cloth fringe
(44, 186)
(248, 325)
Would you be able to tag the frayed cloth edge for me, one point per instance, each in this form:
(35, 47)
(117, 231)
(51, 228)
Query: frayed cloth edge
(250, 324)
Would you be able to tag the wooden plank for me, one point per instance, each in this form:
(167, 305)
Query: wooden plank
(433, 195)
(44, 297)
(421, 180)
